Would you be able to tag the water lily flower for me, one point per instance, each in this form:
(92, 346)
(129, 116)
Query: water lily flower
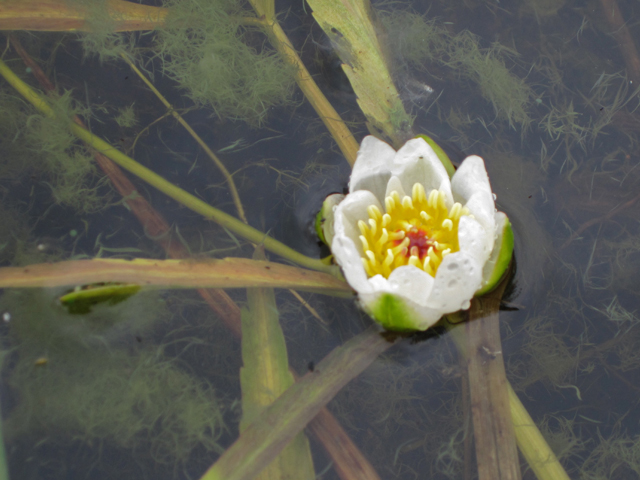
(414, 243)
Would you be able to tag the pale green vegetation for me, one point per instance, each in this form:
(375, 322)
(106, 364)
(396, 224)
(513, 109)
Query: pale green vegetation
(126, 117)
(421, 43)
(102, 40)
(217, 59)
(92, 388)
(39, 144)
(98, 384)
(615, 457)
(67, 163)
(207, 51)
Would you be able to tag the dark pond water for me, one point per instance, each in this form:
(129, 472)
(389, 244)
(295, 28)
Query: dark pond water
(149, 387)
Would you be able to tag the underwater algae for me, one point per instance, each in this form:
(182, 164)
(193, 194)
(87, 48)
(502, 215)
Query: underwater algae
(203, 50)
(76, 378)
(423, 43)
(567, 130)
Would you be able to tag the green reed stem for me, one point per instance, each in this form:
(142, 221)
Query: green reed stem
(193, 203)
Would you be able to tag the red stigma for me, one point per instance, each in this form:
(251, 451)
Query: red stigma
(417, 238)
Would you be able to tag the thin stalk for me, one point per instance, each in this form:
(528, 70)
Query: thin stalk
(338, 129)
(196, 137)
(193, 203)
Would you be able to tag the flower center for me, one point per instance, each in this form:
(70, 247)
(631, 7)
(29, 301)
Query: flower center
(416, 230)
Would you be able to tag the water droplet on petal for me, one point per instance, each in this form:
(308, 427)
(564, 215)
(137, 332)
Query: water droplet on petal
(465, 305)
(495, 197)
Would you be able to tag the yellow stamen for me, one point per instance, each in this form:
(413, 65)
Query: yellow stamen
(374, 212)
(374, 226)
(367, 266)
(389, 258)
(432, 255)
(455, 211)
(415, 261)
(389, 204)
(384, 238)
(399, 235)
(407, 203)
(417, 230)
(365, 244)
(418, 193)
(433, 199)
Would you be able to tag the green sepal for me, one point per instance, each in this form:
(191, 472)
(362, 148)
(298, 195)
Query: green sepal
(324, 218)
(442, 156)
(393, 314)
(82, 299)
(499, 259)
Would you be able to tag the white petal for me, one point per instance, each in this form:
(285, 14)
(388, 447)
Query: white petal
(410, 287)
(473, 238)
(371, 171)
(347, 256)
(395, 185)
(379, 284)
(482, 207)
(457, 279)
(412, 283)
(417, 162)
(349, 211)
(490, 264)
(470, 178)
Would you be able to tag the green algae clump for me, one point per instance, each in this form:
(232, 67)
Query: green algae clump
(421, 43)
(88, 379)
(208, 52)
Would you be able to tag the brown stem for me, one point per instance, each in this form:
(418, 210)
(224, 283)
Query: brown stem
(496, 450)
(621, 33)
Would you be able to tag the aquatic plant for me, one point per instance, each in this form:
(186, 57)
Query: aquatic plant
(587, 128)
(212, 60)
(422, 43)
(77, 376)
(68, 165)
(429, 253)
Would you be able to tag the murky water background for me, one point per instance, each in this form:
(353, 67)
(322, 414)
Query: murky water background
(561, 153)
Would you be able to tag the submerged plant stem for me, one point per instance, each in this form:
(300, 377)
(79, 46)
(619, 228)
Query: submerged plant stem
(4, 470)
(225, 273)
(339, 131)
(193, 203)
(261, 441)
(196, 137)
(530, 441)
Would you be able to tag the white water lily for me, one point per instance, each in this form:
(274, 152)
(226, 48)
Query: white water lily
(413, 243)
